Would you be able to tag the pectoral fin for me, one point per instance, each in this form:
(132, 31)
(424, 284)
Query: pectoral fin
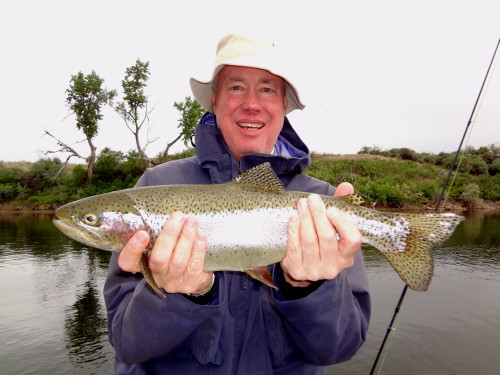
(149, 276)
(263, 275)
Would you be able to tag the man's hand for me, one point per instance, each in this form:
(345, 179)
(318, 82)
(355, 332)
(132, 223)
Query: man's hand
(314, 252)
(177, 258)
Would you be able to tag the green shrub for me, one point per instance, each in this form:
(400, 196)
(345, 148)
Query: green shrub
(45, 173)
(10, 175)
(78, 176)
(494, 167)
(8, 192)
(471, 193)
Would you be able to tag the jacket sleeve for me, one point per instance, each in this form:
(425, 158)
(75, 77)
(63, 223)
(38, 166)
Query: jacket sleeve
(328, 325)
(143, 326)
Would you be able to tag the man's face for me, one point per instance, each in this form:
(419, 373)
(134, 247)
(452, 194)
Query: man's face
(250, 106)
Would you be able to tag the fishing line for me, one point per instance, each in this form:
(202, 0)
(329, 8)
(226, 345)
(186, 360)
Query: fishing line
(438, 203)
(473, 122)
(394, 328)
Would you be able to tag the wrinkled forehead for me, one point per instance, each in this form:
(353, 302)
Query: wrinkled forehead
(231, 73)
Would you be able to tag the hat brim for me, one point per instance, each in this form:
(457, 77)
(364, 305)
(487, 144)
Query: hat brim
(203, 90)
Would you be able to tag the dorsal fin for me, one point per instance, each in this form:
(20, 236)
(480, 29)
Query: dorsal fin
(354, 199)
(261, 177)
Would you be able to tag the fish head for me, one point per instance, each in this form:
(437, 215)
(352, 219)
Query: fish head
(105, 221)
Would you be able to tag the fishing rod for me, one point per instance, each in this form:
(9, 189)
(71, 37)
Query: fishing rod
(466, 130)
(436, 209)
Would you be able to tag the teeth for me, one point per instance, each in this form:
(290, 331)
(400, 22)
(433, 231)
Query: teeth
(248, 125)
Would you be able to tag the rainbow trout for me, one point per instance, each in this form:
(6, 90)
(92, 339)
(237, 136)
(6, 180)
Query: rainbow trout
(246, 223)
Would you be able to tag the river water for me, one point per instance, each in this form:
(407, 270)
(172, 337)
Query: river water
(53, 321)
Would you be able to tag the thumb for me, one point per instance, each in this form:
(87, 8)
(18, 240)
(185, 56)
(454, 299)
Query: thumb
(131, 254)
(345, 188)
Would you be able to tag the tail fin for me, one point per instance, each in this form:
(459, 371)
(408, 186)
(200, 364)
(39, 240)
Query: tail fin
(415, 264)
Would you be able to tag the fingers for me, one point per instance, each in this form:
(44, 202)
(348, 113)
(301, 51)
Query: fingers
(294, 253)
(161, 253)
(325, 231)
(131, 253)
(178, 256)
(198, 254)
(308, 238)
(311, 241)
(348, 233)
(196, 280)
(350, 236)
(314, 251)
(185, 235)
(302, 246)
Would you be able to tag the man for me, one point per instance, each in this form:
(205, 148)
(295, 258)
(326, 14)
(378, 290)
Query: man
(226, 322)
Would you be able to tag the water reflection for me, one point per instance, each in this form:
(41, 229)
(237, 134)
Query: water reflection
(454, 328)
(53, 320)
(85, 323)
(475, 244)
(36, 236)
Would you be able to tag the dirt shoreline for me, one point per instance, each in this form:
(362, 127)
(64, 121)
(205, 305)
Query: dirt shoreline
(6, 208)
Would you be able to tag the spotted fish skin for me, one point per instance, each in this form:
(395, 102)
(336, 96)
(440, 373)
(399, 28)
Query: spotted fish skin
(246, 223)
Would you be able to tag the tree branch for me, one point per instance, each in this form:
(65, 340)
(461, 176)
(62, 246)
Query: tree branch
(63, 148)
(165, 153)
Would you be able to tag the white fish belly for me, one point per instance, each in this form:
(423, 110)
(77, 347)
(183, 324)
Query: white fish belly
(242, 240)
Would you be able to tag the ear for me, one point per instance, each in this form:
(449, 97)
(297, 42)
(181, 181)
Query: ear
(285, 96)
(213, 102)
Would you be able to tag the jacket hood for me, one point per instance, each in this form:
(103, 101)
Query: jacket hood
(291, 156)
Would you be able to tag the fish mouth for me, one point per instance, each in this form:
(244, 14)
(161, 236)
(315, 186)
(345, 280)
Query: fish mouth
(89, 237)
(72, 231)
(250, 125)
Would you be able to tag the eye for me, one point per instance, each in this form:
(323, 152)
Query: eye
(91, 219)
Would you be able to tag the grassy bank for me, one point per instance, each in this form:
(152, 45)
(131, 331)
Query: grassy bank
(384, 182)
(395, 183)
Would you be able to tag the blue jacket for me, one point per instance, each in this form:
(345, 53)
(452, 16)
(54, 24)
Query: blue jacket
(242, 327)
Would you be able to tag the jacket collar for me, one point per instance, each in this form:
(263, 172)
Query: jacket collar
(290, 157)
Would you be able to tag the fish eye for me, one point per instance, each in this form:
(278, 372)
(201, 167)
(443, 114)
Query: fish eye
(91, 219)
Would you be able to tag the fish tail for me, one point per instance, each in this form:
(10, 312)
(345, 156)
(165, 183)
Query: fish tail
(415, 263)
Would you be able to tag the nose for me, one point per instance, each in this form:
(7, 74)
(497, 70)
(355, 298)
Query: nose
(251, 101)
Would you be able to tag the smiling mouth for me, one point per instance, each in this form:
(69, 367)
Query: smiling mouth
(251, 126)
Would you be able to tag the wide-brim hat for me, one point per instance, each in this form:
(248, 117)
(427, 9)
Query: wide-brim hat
(242, 47)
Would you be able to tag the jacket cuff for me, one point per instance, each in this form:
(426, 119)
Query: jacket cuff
(288, 291)
(207, 297)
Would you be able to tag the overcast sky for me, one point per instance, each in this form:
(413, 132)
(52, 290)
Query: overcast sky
(388, 73)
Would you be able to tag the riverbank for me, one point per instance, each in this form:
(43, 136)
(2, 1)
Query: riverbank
(386, 183)
(23, 209)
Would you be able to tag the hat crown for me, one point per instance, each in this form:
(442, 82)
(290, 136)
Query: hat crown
(243, 43)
